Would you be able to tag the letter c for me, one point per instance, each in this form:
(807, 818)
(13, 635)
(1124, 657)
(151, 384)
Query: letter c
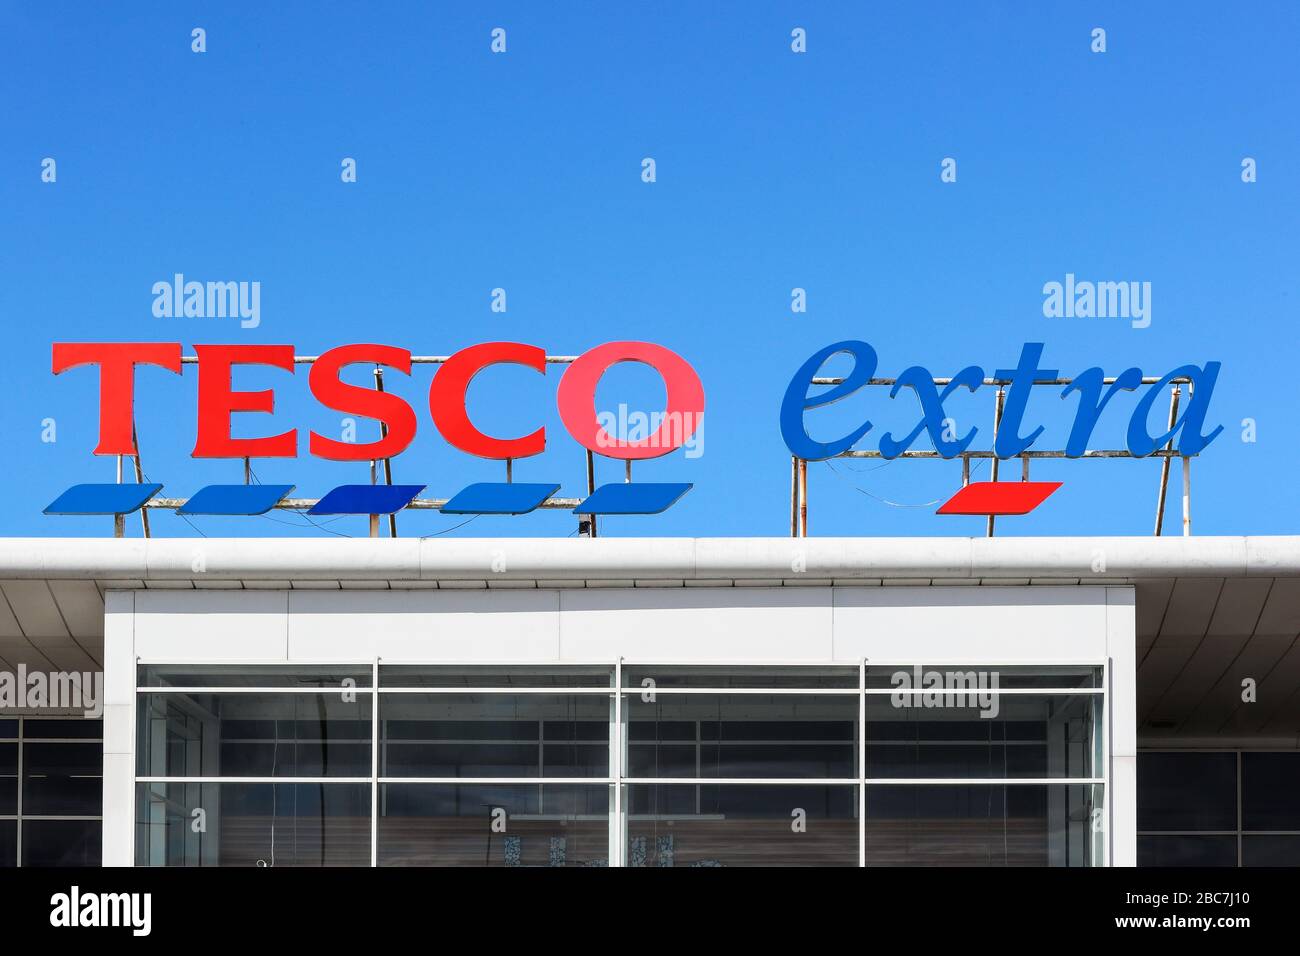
(447, 399)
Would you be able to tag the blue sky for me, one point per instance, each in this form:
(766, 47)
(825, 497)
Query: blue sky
(775, 170)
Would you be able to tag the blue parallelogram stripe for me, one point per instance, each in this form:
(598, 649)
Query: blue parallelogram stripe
(365, 499)
(234, 499)
(102, 499)
(499, 498)
(635, 498)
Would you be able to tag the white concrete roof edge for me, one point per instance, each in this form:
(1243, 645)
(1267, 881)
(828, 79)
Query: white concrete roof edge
(646, 558)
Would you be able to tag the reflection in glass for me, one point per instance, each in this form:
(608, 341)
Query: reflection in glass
(494, 735)
(983, 825)
(742, 825)
(741, 735)
(8, 778)
(1184, 850)
(341, 676)
(1022, 736)
(641, 677)
(493, 825)
(253, 824)
(62, 779)
(405, 675)
(8, 843)
(62, 842)
(254, 735)
(1270, 785)
(1187, 791)
(1276, 850)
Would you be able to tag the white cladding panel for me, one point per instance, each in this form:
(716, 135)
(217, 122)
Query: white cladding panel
(994, 624)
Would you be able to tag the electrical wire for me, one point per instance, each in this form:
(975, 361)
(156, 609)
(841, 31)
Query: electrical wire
(886, 501)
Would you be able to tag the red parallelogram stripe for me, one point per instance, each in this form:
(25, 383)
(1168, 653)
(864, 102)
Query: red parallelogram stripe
(998, 498)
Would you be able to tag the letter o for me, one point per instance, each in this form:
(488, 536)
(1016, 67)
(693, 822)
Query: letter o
(576, 398)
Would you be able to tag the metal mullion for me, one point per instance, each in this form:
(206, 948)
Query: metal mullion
(862, 763)
(22, 785)
(1108, 815)
(273, 780)
(501, 691)
(1240, 817)
(755, 691)
(619, 837)
(514, 781)
(1009, 691)
(255, 690)
(991, 781)
(374, 767)
(744, 781)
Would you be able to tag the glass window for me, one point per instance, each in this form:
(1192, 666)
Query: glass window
(495, 735)
(9, 728)
(1273, 850)
(8, 778)
(741, 825)
(983, 825)
(494, 676)
(61, 779)
(1270, 791)
(1187, 791)
(341, 676)
(741, 735)
(493, 825)
(642, 678)
(79, 728)
(62, 842)
(1184, 850)
(1003, 735)
(8, 843)
(1057, 677)
(252, 824)
(510, 765)
(254, 735)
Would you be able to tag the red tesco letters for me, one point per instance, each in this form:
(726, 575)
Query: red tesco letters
(218, 401)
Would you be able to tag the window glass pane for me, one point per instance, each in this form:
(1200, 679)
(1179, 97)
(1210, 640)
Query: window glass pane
(1186, 850)
(256, 675)
(1016, 676)
(8, 728)
(1270, 850)
(395, 675)
(493, 825)
(8, 778)
(8, 843)
(637, 676)
(62, 779)
(494, 735)
(253, 824)
(1002, 735)
(742, 825)
(1187, 791)
(254, 735)
(985, 825)
(62, 842)
(78, 728)
(1270, 791)
(741, 735)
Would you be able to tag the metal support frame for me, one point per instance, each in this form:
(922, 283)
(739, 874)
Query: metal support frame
(799, 468)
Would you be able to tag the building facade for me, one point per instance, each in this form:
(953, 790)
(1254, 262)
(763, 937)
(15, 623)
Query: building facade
(658, 702)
